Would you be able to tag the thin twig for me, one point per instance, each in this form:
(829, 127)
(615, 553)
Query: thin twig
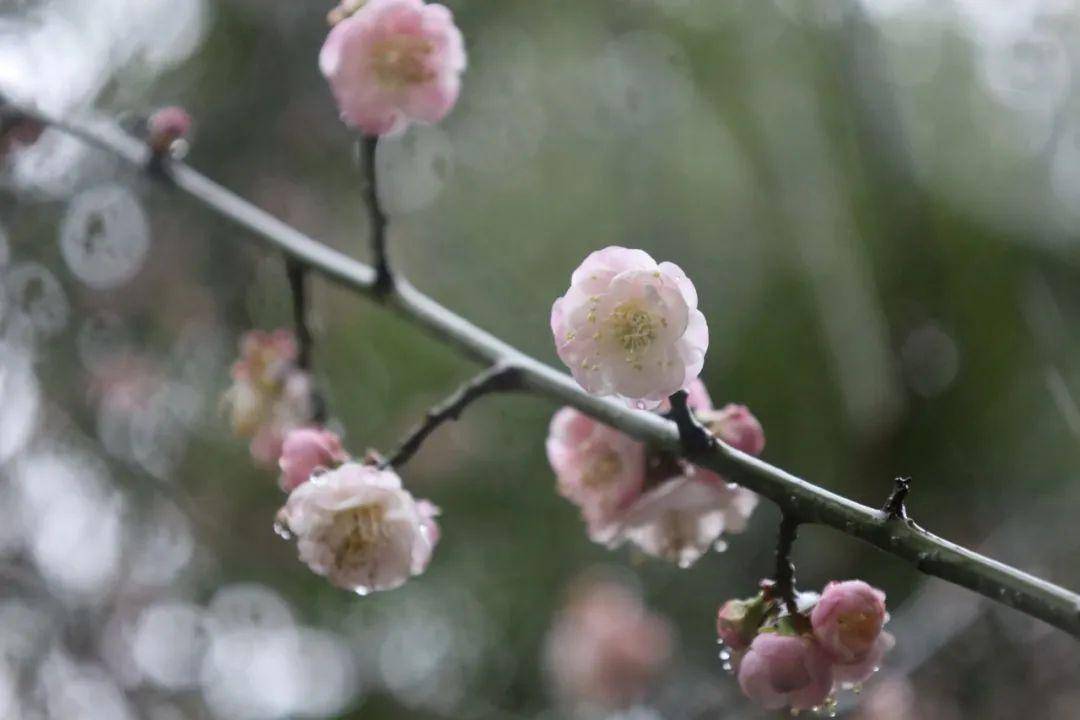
(384, 279)
(298, 288)
(795, 496)
(498, 378)
(784, 588)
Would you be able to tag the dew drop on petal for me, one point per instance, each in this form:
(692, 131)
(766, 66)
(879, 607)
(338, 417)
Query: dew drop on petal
(104, 237)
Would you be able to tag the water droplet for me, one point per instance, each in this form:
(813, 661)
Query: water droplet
(104, 237)
(413, 168)
(36, 294)
(725, 655)
(282, 530)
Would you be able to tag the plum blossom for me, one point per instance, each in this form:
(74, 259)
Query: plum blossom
(848, 619)
(269, 395)
(598, 468)
(360, 528)
(680, 519)
(630, 327)
(667, 507)
(306, 450)
(737, 426)
(785, 671)
(393, 62)
(605, 648)
(855, 673)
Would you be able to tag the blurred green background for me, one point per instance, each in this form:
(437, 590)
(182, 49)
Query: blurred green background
(878, 203)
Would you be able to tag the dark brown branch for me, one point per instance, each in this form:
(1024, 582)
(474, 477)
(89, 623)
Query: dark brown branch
(384, 279)
(693, 436)
(894, 507)
(499, 378)
(298, 288)
(803, 500)
(784, 589)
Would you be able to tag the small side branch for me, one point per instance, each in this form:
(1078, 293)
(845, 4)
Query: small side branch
(498, 378)
(784, 588)
(384, 280)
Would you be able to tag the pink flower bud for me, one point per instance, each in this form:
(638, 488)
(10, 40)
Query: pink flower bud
(858, 672)
(165, 127)
(737, 426)
(306, 450)
(848, 620)
(630, 327)
(785, 671)
(737, 622)
(393, 62)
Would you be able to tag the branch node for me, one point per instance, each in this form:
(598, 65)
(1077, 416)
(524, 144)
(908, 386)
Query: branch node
(694, 437)
(894, 507)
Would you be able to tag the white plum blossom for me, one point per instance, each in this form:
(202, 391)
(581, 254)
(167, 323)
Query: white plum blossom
(630, 327)
(681, 518)
(360, 528)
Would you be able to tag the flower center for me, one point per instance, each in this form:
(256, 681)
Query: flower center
(360, 530)
(401, 60)
(633, 328)
(601, 470)
(857, 628)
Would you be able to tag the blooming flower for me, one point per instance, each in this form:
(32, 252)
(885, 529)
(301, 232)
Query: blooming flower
(597, 467)
(305, 450)
(680, 519)
(605, 648)
(392, 62)
(848, 619)
(630, 327)
(269, 395)
(785, 671)
(357, 526)
(667, 507)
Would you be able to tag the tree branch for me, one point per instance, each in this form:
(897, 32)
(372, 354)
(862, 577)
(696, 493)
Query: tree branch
(796, 497)
(384, 279)
(298, 288)
(498, 378)
(785, 568)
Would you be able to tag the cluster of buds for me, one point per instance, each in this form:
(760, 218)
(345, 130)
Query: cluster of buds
(628, 492)
(800, 660)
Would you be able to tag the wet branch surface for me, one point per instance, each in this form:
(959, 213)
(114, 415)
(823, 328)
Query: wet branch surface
(799, 500)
